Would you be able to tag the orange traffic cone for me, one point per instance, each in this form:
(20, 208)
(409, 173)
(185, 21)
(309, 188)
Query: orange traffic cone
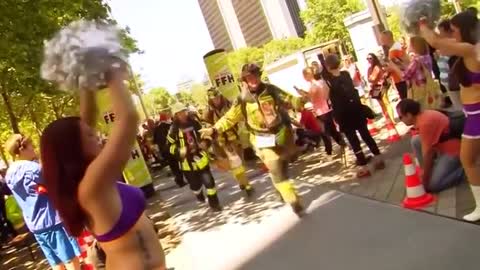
(85, 241)
(392, 133)
(371, 127)
(416, 196)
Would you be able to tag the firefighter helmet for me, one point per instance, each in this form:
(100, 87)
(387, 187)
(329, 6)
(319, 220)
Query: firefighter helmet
(251, 69)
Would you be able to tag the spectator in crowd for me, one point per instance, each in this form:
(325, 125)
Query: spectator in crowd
(421, 60)
(417, 71)
(349, 113)
(160, 133)
(352, 69)
(398, 56)
(7, 231)
(403, 43)
(318, 94)
(377, 79)
(446, 65)
(467, 69)
(437, 152)
(445, 102)
(310, 129)
(24, 178)
(317, 70)
(148, 142)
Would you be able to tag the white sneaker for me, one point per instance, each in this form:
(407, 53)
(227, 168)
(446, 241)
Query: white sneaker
(474, 216)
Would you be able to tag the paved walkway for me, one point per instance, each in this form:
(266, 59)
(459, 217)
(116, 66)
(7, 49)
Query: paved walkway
(315, 176)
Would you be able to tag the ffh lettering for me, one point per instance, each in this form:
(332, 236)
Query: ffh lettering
(225, 79)
(135, 154)
(109, 118)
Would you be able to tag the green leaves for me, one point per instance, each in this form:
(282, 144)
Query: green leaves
(157, 99)
(24, 25)
(325, 18)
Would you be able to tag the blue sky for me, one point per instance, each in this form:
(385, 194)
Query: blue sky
(173, 35)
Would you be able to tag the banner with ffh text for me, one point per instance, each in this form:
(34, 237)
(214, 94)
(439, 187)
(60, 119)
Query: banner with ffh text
(220, 74)
(136, 172)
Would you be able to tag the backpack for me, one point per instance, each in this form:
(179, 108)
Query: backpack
(279, 104)
(456, 125)
(343, 95)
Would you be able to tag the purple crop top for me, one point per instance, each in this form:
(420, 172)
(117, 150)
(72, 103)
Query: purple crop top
(133, 206)
(473, 77)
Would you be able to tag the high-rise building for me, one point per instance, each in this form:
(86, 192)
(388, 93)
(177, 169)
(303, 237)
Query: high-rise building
(234, 24)
(215, 24)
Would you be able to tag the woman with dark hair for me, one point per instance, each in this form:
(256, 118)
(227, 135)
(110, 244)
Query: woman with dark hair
(377, 78)
(467, 70)
(81, 179)
(349, 114)
(445, 64)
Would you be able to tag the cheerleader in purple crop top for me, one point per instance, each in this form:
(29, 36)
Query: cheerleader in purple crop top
(81, 177)
(467, 71)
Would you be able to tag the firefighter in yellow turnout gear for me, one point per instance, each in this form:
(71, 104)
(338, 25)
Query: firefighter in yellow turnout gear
(186, 146)
(227, 145)
(263, 108)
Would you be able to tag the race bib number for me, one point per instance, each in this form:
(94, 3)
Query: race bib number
(265, 141)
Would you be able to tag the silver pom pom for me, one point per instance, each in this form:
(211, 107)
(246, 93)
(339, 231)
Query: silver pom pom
(413, 10)
(78, 56)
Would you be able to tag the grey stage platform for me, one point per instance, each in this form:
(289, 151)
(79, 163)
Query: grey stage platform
(349, 232)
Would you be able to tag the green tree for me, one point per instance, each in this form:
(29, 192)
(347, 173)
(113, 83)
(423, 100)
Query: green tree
(157, 99)
(278, 48)
(199, 93)
(393, 21)
(243, 56)
(448, 10)
(325, 18)
(184, 96)
(24, 25)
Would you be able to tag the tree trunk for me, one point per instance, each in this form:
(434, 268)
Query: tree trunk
(33, 117)
(11, 115)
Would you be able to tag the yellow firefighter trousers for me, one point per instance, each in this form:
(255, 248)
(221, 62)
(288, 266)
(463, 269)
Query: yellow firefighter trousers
(233, 152)
(276, 159)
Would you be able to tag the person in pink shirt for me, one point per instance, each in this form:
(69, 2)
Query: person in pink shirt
(318, 94)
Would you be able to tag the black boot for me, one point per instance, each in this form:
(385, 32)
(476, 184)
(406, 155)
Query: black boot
(362, 160)
(180, 182)
(297, 208)
(248, 190)
(200, 197)
(214, 203)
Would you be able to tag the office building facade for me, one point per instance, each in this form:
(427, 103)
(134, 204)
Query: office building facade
(234, 24)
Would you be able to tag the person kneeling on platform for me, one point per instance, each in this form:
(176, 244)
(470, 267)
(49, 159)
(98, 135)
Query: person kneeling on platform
(185, 144)
(436, 146)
